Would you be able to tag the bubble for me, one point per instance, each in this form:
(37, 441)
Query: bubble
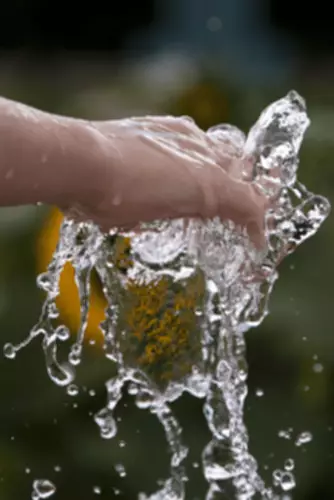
(259, 393)
(97, 490)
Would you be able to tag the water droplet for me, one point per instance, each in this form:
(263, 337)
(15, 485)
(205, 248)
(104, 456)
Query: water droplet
(27, 470)
(9, 351)
(259, 392)
(62, 332)
(288, 481)
(120, 469)
(57, 468)
(43, 488)
(75, 354)
(285, 433)
(277, 476)
(318, 368)
(122, 444)
(289, 464)
(72, 390)
(91, 392)
(107, 424)
(97, 490)
(303, 438)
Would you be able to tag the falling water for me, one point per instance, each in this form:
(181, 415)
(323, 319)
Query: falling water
(210, 285)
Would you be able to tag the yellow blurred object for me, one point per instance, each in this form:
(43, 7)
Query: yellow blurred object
(162, 329)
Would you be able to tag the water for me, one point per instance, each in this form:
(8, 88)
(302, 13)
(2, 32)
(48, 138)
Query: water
(42, 488)
(180, 297)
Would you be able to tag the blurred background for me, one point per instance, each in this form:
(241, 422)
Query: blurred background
(218, 61)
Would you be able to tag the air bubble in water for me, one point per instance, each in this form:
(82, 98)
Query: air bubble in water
(97, 490)
(43, 488)
(259, 393)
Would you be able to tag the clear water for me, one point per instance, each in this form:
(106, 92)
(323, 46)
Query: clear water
(213, 286)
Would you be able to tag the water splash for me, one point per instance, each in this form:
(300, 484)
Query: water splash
(212, 287)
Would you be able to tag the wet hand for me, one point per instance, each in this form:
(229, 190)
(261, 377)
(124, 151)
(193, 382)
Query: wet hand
(167, 167)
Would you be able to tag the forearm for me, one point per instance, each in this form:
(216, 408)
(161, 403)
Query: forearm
(43, 157)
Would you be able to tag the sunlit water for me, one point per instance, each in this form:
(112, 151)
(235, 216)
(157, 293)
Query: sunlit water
(234, 283)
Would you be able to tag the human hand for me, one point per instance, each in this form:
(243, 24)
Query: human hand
(164, 168)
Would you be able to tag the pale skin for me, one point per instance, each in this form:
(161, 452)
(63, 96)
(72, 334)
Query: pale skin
(123, 172)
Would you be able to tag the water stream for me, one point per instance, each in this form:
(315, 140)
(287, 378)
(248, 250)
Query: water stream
(177, 314)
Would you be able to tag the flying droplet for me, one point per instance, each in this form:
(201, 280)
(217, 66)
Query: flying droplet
(72, 390)
(9, 351)
(304, 438)
(43, 488)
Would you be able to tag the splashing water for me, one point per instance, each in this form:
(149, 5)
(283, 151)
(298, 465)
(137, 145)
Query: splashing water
(209, 267)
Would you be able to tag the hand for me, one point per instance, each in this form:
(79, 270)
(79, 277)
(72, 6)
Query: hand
(164, 168)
